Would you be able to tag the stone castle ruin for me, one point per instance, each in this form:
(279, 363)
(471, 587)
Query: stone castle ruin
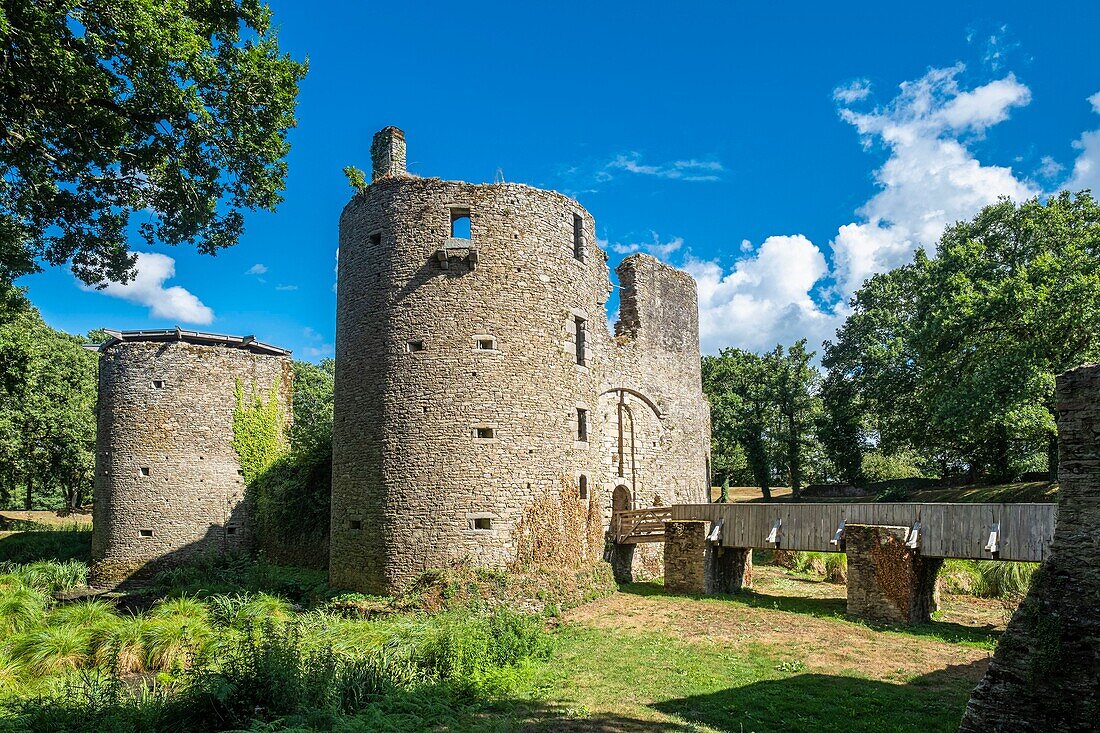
(477, 379)
(168, 481)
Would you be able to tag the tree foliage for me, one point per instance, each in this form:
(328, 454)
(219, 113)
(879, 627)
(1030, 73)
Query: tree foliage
(47, 401)
(178, 109)
(763, 411)
(954, 356)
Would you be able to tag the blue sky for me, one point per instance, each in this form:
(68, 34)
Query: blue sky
(781, 152)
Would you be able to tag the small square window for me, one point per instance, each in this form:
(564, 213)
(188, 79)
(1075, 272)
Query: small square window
(231, 530)
(482, 523)
(355, 524)
(145, 471)
(158, 384)
(578, 237)
(579, 327)
(484, 433)
(414, 345)
(376, 239)
(145, 533)
(486, 343)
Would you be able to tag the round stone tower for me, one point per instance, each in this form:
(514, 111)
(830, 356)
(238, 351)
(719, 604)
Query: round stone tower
(475, 373)
(169, 483)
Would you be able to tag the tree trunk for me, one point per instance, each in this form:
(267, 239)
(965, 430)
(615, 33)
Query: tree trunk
(794, 457)
(30, 492)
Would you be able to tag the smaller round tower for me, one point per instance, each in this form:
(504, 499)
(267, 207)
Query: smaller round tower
(169, 483)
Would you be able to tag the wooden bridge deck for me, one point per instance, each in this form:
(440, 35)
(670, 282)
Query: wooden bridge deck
(1024, 531)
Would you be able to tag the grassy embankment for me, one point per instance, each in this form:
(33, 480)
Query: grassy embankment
(246, 646)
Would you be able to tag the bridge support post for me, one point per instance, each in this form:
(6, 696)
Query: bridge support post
(728, 569)
(888, 581)
(685, 557)
(695, 565)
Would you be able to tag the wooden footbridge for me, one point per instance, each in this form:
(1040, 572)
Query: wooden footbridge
(967, 531)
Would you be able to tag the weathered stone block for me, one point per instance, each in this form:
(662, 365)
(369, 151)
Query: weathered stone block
(685, 557)
(888, 581)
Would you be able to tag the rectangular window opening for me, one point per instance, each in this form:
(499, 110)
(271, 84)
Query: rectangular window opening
(145, 532)
(376, 239)
(231, 530)
(486, 344)
(482, 523)
(356, 524)
(578, 237)
(484, 433)
(582, 424)
(158, 384)
(414, 345)
(460, 223)
(579, 322)
(145, 471)
(582, 486)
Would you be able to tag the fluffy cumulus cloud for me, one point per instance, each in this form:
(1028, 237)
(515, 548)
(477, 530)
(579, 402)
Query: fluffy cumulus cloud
(257, 269)
(931, 178)
(765, 299)
(1086, 169)
(147, 288)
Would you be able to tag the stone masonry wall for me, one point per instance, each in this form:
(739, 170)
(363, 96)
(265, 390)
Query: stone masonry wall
(887, 581)
(458, 387)
(168, 483)
(685, 551)
(1045, 671)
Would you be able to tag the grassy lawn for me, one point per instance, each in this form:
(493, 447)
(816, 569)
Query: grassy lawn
(781, 657)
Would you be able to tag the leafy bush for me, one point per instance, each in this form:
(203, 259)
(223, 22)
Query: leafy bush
(880, 467)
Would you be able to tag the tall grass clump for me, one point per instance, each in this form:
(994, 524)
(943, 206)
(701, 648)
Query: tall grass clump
(988, 578)
(21, 609)
(49, 576)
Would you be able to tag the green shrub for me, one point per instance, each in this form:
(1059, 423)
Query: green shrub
(880, 467)
(988, 578)
(48, 649)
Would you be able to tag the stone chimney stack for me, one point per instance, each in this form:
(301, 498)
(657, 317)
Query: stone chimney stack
(387, 153)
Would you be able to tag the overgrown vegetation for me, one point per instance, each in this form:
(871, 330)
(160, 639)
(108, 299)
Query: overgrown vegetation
(290, 497)
(202, 658)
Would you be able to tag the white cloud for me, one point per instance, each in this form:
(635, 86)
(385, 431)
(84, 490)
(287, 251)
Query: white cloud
(690, 169)
(930, 180)
(286, 287)
(853, 91)
(657, 248)
(147, 288)
(256, 269)
(1086, 169)
(320, 348)
(766, 299)
(1049, 167)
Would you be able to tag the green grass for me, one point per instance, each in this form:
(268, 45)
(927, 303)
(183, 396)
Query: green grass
(36, 542)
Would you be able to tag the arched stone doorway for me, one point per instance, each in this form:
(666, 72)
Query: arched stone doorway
(620, 499)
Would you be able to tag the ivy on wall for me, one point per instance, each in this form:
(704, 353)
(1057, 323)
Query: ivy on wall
(258, 430)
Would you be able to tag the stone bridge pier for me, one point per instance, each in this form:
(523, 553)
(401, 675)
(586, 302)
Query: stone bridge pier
(887, 581)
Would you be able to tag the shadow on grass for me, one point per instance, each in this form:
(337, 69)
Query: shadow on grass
(830, 608)
(57, 545)
(817, 703)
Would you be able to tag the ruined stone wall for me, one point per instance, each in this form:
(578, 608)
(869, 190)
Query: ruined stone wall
(1045, 671)
(168, 482)
(441, 340)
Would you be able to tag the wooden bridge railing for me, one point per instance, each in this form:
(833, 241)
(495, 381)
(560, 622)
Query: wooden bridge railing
(633, 526)
(1022, 531)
